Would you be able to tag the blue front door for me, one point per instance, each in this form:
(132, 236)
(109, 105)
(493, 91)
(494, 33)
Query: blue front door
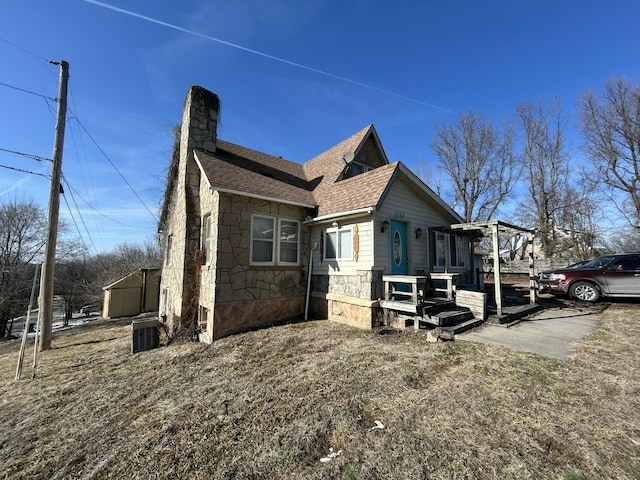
(399, 259)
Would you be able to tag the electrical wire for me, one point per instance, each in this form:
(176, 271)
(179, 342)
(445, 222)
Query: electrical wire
(78, 228)
(23, 49)
(115, 168)
(83, 165)
(95, 209)
(28, 155)
(53, 99)
(24, 171)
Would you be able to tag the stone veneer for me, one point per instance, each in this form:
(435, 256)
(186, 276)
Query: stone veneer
(348, 299)
(237, 295)
(198, 131)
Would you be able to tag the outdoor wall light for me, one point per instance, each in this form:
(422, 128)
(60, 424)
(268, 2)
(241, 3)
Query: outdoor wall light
(335, 225)
(385, 226)
(418, 232)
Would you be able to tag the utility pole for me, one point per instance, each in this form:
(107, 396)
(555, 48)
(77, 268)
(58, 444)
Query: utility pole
(45, 310)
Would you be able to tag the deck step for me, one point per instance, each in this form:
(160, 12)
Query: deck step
(450, 317)
(433, 306)
(463, 327)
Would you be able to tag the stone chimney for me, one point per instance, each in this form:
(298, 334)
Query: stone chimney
(200, 119)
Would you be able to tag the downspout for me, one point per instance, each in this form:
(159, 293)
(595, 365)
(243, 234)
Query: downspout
(306, 306)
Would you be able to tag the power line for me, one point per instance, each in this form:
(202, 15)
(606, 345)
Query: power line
(24, 171)
(95, 209)
(115, 168)
(28, 91)
(28, 155)
(23, 49)
(81, 219)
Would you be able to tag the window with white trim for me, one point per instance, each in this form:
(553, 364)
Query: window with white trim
(289, 242)
(338, 244)
(267, 248)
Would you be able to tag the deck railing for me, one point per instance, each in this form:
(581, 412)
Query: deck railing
(415, 287)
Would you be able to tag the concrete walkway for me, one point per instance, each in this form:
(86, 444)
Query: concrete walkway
(550, 333)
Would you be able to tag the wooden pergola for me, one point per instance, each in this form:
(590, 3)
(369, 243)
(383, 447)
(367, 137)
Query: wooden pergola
(494, 229)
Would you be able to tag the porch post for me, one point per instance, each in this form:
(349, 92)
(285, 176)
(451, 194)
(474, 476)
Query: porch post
(474, 275)
(496, 269)
(532, 282)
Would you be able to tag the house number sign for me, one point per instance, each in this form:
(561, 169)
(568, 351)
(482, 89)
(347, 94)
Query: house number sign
(399, 214)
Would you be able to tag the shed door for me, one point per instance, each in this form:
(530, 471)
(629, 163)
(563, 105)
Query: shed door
(399, 258)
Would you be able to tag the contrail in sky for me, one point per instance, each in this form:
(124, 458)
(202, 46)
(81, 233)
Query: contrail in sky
(257, 52)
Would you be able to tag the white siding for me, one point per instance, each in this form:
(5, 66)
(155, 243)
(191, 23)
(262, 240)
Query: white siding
(344, 267)
(406, 203)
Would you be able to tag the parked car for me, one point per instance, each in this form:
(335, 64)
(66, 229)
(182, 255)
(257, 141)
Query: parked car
(607, 276)
(90, 309)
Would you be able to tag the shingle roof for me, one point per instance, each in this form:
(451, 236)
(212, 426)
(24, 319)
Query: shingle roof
(238, 169)
(316, 183)
(355, 193)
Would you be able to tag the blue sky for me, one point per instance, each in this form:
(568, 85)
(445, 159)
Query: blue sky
(294, 78)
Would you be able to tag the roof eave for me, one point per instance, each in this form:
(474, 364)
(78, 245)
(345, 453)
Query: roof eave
(350, 213)
(261, 197)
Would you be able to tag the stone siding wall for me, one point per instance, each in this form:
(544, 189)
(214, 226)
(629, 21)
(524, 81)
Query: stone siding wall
(198, 130)
(234, 317)
(239, 295)
(366, 284)
(348, 299)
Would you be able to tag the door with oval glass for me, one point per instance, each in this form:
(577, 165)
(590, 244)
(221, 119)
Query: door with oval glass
(399, 257)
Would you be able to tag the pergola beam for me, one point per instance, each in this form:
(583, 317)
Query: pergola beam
(493, 229)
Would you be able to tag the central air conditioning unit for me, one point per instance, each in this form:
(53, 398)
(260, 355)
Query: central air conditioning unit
(144, 335)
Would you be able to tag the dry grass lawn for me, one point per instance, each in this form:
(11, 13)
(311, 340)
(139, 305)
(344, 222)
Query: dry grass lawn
(270, 404)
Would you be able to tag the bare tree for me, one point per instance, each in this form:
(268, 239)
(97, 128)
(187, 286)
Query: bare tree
(610, 123)
(74, 283)
(547, 171)
(22, 233)
(430, 177)
(626, 239)
(479, 160)
(125, 259)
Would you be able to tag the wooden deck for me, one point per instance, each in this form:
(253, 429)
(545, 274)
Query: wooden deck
(416, 300)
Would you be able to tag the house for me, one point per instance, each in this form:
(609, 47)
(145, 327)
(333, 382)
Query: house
(252, 238)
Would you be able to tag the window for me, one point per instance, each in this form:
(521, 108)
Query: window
(441, 250)
(289, 240)
(206, 239)
(449, 250)
(262, 240)
(456, 251)
(169, 249)
(265, 244)
(203, 318)
(460, 251)
(358, 168)
(627, 264)
(338, 244)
